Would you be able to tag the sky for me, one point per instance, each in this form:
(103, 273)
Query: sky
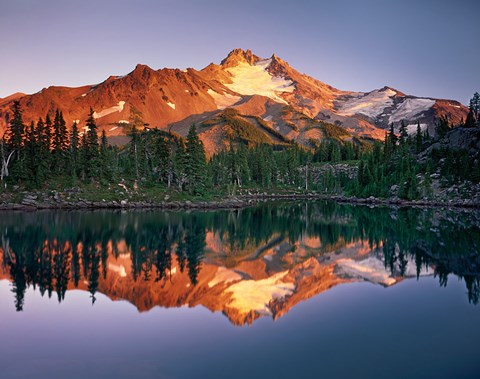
(423, 48)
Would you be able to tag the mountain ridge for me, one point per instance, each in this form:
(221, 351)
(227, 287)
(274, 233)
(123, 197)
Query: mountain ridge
(167, 98)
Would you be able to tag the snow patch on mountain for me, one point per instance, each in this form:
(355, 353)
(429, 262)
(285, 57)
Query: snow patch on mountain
(105, 112)
(410, 109)
(224, 275)
(371, 269)
(120, 269)
(412, 128)
(371, 104)
(256, 80)
(171, 105)
(223, 101)
(255, 295)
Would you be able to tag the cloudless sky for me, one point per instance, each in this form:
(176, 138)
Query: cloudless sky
(424, 48)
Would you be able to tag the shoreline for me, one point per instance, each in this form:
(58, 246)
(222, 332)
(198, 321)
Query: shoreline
(231, 202)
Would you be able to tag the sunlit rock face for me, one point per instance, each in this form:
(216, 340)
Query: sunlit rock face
(289, 102)
(221, 261)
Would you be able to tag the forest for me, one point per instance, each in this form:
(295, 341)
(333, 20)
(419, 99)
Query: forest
(47, 154)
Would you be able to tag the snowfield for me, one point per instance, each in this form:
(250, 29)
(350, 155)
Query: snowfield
(371, 104)
(370, 269)
(119, 269)
(255, 80)
(412, 128)
(410, 109)
(223, 101)
(255, 295)
(373, 270)
(105, 112)
(224, 275)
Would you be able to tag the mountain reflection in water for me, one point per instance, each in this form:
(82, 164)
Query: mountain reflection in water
(248, 263)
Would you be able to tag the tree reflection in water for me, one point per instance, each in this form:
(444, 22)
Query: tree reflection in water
(57, 251)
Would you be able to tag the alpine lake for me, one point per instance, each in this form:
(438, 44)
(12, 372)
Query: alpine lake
(278, 290)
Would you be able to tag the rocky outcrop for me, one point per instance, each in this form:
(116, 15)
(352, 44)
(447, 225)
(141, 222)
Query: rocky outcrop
(458, 139)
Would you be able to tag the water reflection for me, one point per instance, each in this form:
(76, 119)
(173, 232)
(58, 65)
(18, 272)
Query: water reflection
(245, 263)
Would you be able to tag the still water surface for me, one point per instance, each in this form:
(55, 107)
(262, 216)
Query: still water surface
(282, 290)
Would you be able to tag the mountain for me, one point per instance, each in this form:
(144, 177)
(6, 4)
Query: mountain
(270, 97)
(263, 281)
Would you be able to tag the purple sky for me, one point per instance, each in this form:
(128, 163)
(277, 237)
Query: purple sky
(428, 49)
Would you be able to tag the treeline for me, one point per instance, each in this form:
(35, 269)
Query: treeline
(36, 154)
(394, 168)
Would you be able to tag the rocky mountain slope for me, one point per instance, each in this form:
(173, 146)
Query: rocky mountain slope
(275, 98)
(266, 281)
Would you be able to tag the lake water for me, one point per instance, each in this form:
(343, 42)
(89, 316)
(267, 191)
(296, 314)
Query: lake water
(280, 290)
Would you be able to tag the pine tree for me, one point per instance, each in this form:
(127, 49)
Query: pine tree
(475, 107)
(104, 157)
(31, 154)
(164, 157)
(58, 143)
(84, 157)
(180, 163)
(43, 153)
(15, 129)
(91, 165)
(14, 141)
(403, 133)
(442, 127)
(470, 121)
(419, 139)
(196, 167)
(392, 137)
(48, 131)
(74, 150)
(134, 149)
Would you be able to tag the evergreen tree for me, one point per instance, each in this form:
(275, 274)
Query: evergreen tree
(48, 131)
(442, 127)
(475, 107)
(134, 149)
(164, 157)
(74, 150)
(43, 153)
(392, 137)
(15, 129)
(91, 163)
(84, 157)
(196, 164)
(59, 143)
(403, 133)
(418, 139)
(179, 166)
(31, 154)
(470, 121)
(104, 157)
